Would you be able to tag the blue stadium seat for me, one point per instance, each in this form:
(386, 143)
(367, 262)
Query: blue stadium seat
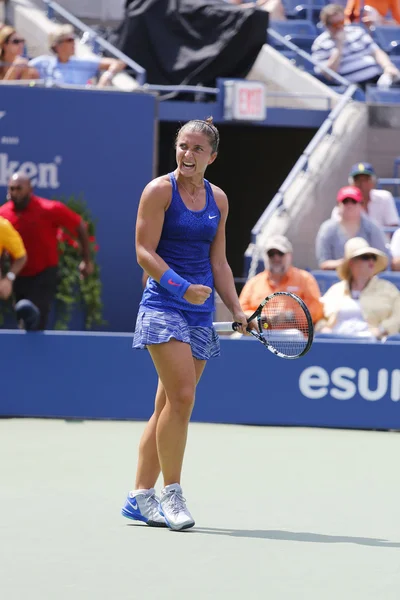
(302, 33)
(388, 38)
(299, 61)
(309, 11)
(325, 279)
(396, 61)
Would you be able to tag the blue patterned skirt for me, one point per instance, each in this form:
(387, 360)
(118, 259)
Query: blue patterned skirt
(154, 326)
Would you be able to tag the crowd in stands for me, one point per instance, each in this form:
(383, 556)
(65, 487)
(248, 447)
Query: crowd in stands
(351, 52)
(29, 227)
(344, 46)
(353, 242)
(60, 66)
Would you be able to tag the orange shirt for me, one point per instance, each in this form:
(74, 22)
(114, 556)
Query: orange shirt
(352, 11)
(300, 282)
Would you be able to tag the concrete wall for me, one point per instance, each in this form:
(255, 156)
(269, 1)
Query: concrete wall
(310, 199)
(383, 138)
(100, 10)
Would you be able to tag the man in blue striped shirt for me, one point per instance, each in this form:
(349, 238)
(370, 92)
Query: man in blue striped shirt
(349, 50)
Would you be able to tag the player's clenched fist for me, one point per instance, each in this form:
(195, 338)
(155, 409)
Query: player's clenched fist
(197, 294)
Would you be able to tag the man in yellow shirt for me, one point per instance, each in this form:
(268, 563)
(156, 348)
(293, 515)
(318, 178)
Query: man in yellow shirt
(10, 242)
(281, 276)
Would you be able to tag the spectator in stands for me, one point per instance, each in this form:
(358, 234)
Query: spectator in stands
(280, 276)
(361, 304)
(354, 14)
(395, 250)
(379, 205)
(65, 68)
(38, 220)
(10, 242)
(351, 221)
(350, 51)
(12, 64)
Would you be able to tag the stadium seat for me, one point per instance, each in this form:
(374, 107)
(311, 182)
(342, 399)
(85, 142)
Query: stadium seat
(388, 38)
(302, 33)
(308, 11)
(299, 61)
(325, 279)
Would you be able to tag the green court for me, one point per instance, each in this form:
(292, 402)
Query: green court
(281, 513)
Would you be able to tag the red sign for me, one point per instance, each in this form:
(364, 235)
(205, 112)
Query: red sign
(248, 101)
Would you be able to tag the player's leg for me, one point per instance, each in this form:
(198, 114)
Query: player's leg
(175, 367)
(148, 468)
(142, 504)
(177, 371)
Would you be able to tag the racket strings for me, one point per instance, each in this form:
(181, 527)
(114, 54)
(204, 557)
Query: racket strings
(284, 325)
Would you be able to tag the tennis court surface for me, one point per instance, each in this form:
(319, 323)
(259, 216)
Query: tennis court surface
(281, 513)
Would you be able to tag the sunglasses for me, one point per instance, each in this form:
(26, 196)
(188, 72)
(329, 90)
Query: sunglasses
(349, 201)
(366, 257)
(16, 41)
(272, 253)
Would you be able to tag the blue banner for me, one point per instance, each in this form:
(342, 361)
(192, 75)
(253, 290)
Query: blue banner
(351, 385)
(97, 144)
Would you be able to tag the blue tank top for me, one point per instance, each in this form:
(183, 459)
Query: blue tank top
(185, 244)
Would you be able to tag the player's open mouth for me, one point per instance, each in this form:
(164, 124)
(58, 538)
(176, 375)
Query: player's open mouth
(188, 165)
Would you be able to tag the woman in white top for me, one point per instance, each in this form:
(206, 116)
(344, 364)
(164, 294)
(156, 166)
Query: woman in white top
(361, 305)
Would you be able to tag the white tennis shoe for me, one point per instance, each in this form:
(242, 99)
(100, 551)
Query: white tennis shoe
(143, 505)
(173, 508)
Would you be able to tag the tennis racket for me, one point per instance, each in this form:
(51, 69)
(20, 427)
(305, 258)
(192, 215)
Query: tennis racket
(282, 323)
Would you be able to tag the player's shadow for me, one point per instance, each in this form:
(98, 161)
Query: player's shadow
(294, 536)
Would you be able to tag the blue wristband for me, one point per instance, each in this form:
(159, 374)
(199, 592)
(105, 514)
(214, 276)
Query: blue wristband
(175, 284)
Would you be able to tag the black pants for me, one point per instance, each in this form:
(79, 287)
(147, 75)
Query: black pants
(39, 289)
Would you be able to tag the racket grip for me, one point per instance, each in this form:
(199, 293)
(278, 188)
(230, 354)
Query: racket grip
(224, 326)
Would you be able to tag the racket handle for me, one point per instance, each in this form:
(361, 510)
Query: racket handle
(224, 326)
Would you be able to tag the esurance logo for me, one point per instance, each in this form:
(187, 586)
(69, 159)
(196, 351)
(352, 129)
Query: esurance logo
(344, 383)
(42, 175)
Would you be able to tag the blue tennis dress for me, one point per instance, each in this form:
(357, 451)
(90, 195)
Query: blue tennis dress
(185, 246)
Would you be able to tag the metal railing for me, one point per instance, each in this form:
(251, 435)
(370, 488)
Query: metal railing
(302, 163)
(55, 8)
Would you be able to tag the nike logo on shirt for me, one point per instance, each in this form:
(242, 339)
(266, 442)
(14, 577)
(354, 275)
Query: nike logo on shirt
(212, 217)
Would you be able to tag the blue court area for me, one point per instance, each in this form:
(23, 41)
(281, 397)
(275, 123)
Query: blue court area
(280, 513)
(98, 375)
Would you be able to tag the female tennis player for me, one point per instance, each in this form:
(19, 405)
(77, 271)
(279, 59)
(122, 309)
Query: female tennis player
(180, 243)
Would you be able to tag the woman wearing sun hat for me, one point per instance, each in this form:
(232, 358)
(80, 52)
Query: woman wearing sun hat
(361, 304)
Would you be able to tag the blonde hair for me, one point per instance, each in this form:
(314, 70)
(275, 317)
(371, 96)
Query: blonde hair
(58, 33)
(330, 10)
(5, 32)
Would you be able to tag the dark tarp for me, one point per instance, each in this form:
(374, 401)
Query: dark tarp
(191, 41)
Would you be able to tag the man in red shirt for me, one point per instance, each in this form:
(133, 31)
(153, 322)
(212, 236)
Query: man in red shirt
(37, 221)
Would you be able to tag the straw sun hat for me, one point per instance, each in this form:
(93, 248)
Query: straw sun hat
(357, 247)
